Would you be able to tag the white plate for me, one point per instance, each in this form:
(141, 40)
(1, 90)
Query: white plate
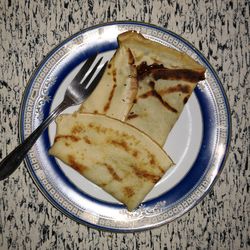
(198, 142)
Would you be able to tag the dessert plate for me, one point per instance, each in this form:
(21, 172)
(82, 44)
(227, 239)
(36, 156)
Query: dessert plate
(198, 143)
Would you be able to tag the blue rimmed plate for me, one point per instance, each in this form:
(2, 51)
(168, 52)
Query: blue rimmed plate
(198, 143)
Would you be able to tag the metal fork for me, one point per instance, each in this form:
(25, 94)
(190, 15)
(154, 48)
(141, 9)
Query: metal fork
(75, 94)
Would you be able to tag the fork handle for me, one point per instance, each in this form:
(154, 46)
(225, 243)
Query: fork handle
(11, 162)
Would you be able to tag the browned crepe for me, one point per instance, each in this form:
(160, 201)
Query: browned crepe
(166, 78)
(112, 154)
(146, 84)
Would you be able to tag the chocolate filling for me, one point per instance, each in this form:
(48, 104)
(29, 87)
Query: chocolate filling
(158, 71)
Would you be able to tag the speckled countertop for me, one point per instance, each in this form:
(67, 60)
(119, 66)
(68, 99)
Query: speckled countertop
(219, 29)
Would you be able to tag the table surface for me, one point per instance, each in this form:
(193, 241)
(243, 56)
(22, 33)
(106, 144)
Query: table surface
(219, 29)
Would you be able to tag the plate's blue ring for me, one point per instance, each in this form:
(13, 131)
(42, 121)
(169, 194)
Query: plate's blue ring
(53, 51)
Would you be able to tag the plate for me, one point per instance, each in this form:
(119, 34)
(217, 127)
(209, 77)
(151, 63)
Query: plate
(198, 143)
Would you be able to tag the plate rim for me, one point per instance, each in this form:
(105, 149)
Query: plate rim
(145, 227)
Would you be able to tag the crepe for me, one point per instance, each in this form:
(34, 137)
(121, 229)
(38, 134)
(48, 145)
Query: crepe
(166, 78)
(156, 80)
(116, 156)
(117, 89)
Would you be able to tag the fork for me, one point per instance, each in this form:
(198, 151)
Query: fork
(75, 94)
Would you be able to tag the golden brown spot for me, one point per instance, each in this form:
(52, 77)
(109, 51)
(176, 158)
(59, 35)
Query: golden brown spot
(66, 144)
(107, 105)
(98, 128)
(147, 94)
(135, 153)
(154, 93)
(91, 125)
(131, 59)
(87, 140)
(161, 169)
(95, 127)
(112, 172)
(121, 143)
(128, 191)
(144, 174)
(152, 160)
(76, 129)
(103, 184)
(77, 166)
(114, 75)
(67, 137)
(95, 112)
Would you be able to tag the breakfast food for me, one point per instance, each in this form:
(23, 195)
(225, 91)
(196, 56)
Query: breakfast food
(166, 78)
(114, 155)
(146, 84)
(117, 89)
(115, 139)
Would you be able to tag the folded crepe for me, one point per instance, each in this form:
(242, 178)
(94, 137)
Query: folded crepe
(146, 85)
(166, 78)
(114, 155)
